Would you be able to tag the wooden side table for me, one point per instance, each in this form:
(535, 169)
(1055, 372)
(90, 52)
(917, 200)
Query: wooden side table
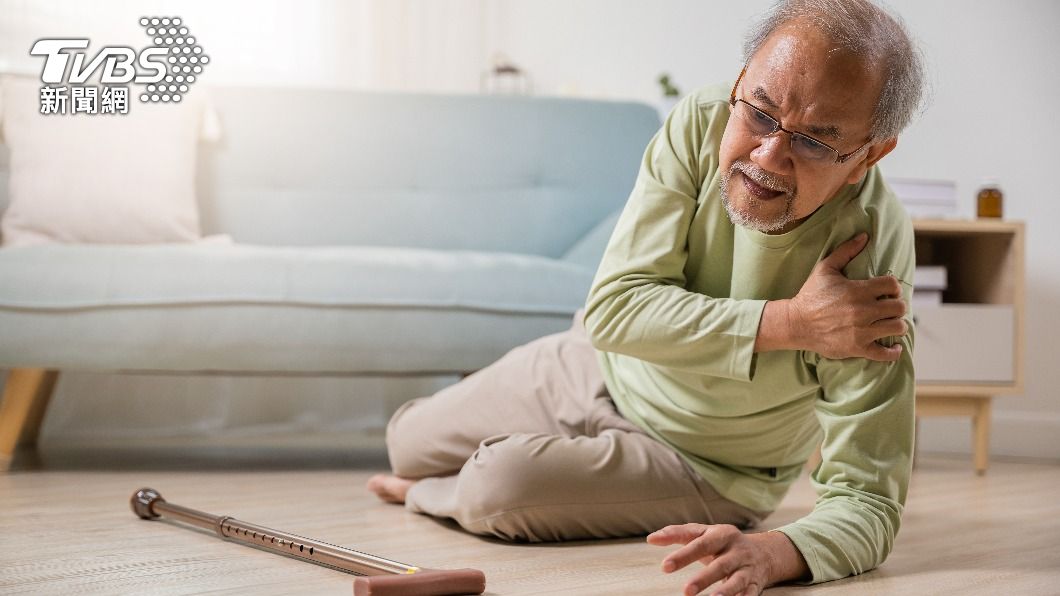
(984, 260)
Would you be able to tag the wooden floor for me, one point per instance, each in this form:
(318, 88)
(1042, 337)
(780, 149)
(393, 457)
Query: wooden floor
(70, 530)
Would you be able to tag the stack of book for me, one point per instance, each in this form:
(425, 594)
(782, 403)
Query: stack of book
(926, 199)
(929, 281)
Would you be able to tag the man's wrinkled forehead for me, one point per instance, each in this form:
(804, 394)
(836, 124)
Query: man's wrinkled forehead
(800, 71)
(821, 131)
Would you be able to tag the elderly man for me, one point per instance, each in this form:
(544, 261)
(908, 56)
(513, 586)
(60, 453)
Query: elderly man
(751, 304)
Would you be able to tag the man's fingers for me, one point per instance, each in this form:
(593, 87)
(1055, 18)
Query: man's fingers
(884, 354)
(888, 327)
(680, 534)
(715, 540)
(690, 553)
(738, 583)
(846, 251)
(884, 285)
(737, 572)
(890, 308)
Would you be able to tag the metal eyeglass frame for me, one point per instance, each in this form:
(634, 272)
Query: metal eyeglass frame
(776, 125)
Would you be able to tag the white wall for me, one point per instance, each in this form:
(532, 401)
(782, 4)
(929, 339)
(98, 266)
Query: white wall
(435, 45)
(992, 63)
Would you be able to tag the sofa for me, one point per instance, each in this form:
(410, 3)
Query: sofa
(369, 234)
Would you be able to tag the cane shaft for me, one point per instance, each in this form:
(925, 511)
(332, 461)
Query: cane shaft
(192, 517)
(311, 550)
(292, 545)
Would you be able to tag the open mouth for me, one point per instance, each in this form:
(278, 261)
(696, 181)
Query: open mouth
(759, 191)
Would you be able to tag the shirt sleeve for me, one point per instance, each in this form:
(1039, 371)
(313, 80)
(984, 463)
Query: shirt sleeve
(867, 415)
(867, 411)
(638, 305)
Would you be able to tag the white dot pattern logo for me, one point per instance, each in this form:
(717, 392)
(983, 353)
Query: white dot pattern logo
(182, 50)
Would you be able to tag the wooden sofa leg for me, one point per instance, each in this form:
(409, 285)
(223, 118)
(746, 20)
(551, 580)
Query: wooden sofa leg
(22, 408)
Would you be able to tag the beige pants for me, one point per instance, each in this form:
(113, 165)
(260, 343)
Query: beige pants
(531, 448)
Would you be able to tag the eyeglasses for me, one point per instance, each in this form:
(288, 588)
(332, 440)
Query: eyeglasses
(761, 124)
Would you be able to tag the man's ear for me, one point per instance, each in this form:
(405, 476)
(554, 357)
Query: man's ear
(874, 154)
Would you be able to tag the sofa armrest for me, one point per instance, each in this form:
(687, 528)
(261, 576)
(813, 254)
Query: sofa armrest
(589, 249)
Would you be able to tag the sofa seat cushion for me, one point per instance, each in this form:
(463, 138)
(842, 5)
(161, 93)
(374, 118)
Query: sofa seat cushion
(254, 308)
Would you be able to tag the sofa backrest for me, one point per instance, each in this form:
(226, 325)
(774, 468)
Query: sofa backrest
(528, 175)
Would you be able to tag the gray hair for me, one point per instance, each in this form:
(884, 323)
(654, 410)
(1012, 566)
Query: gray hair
(869, 32)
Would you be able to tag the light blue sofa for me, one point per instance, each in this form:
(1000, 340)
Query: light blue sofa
(375, 234)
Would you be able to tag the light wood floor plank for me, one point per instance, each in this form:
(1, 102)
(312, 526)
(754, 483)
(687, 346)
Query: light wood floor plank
(71, 531)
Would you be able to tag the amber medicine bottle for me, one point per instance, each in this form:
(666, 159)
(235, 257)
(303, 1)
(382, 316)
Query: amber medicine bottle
(989, 201)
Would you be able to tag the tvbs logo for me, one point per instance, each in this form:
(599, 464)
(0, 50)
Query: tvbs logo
(118, 63)
(167, 68)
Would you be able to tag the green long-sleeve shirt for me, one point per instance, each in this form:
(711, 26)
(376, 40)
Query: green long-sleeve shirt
(674, 311)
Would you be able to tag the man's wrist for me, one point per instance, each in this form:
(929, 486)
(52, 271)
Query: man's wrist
(776, 330)
(786, 562)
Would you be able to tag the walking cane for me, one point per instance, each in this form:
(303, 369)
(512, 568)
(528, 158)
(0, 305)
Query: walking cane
(384, 577)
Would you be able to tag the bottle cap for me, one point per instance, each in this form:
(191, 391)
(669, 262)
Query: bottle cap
(989, 182)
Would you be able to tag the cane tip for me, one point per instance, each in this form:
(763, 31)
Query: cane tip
(142, 500)
(427, 582)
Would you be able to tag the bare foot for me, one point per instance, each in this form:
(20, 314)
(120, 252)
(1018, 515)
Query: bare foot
(390, 488)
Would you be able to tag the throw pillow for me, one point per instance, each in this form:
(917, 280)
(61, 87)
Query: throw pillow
(101, 178)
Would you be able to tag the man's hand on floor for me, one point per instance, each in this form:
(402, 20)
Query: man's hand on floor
(746, 564)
